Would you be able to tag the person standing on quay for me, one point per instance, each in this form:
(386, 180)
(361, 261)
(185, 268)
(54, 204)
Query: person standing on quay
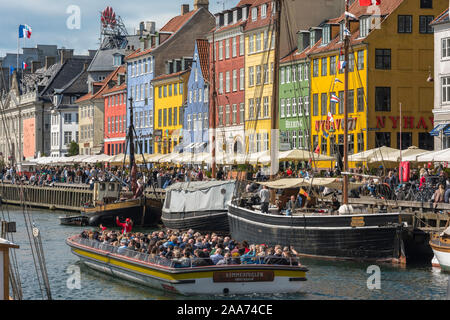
(264, 195)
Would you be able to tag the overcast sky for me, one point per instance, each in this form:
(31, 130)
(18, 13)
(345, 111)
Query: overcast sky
(48, 19)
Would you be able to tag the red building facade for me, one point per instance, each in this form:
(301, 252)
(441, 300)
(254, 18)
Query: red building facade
(116, 113)
(227, 54)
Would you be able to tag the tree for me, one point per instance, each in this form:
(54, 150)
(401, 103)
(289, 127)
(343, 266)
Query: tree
(74, 149)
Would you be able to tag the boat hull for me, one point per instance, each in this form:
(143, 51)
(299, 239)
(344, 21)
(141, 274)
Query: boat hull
(203, 221)
(143, 212)
(374, 237)
(216, 280)
(442, 253)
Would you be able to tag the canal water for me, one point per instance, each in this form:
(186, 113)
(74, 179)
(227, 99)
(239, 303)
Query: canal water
(326, 280)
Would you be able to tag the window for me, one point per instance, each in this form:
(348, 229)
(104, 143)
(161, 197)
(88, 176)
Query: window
(383, 59)
(170, 116)
(307, 72)
(258, 75)
(234, 80)
(227, 81)
(205, 120)
(160, 117)
(165, 91)
(251, 109)
(315, 104)
(300, 72)
(360, 60)
(300, 106)
(424, 24)
(404, 24)
(221, 83)
(315, 67)
(220, 50)
(251, 76)
(263, 11)
(254, 13)
(341, 103)
(205, 92)
(175, 116)
(445, 89)
(241, 79)
(227, 49)
(382, 99)
(282, 75)
(351, 101)
(67, 118)
(351, 62)
(181, 88)
(258, 42)
(251, 44)
(288, 107)
(406, 140)
(360, 142)
(288, 74)
(360, 100)
(234, 47)
(165, 117)
(170, 90)
(364, 27)
(227, 114)
(332, 65)
(351, 144)
(189, 123)
(326, 35)
(282, 106)
(324, 146)
(332, 104)
(241, 113)
(294, 73)
(426, 4)
(234, 114)
(220, 115)
(200, 94)
(241, 45)
(426, 141)
(266, 40)
(324, 67)
(324, 104)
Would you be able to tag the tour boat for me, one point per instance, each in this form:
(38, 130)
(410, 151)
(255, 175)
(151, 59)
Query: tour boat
(198, 205)
(440, 244)
(212, 280)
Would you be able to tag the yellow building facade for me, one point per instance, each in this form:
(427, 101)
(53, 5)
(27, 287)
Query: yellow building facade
(390, 61)
(259, 75)
(169, 102)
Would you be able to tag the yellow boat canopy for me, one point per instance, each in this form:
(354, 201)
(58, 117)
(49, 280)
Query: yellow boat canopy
(332, 183)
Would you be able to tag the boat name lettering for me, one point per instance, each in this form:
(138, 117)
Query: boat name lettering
(244, 276)
(357, 222)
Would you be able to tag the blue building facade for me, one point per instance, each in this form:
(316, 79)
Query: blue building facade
(196, 114)
(140, 73)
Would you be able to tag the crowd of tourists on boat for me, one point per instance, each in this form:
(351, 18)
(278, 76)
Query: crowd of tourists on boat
(191, 249)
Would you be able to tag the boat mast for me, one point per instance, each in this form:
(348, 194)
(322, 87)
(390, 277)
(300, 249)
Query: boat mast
(133, 168)
(274, 137)
(346, 54)
(213, 108)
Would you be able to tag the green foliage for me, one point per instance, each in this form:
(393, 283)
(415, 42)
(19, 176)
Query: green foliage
(74, 149)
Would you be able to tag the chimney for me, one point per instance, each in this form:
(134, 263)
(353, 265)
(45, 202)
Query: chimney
(35, 65)
(150, 26)
(92, 53)
(201, 4)
(66, 54)
(86, 66)
(49, 61)
(184, 9)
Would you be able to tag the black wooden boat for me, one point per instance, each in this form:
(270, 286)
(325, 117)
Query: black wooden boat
(368, 237)
(110, 202)
(80, 220)
(198, 205)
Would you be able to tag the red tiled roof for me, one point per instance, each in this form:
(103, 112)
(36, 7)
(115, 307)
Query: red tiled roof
(203, 55)
(167, 76)
(104, 83)
(295, 56)
(177, 22)
(259, 22)
(230, 26)
(386, 7)
(244, 2)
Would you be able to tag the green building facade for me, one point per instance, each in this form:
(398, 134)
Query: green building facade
(294, 119)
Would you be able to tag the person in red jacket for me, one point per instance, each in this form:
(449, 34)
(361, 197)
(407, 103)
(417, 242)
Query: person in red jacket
(127, 226)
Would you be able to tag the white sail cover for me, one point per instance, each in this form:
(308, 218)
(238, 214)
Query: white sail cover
(198, 196)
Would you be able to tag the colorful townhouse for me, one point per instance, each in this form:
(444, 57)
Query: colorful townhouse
(164, 52)
(228, 60)
(391, 55)
(115, 106)
(196, 114)
(294, 120)
(259, 70)
(140, 73)
(170, 100)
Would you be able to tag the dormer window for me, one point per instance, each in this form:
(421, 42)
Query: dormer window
(254, 13)
(341, 31)
(55, 100)
(313, 38)
(244, 13)
(326, 37)
(235, 16)
(364, 27)
(226, 18)
(118, 60)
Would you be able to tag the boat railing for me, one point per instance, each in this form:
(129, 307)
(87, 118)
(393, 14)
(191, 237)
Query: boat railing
(175, 263)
